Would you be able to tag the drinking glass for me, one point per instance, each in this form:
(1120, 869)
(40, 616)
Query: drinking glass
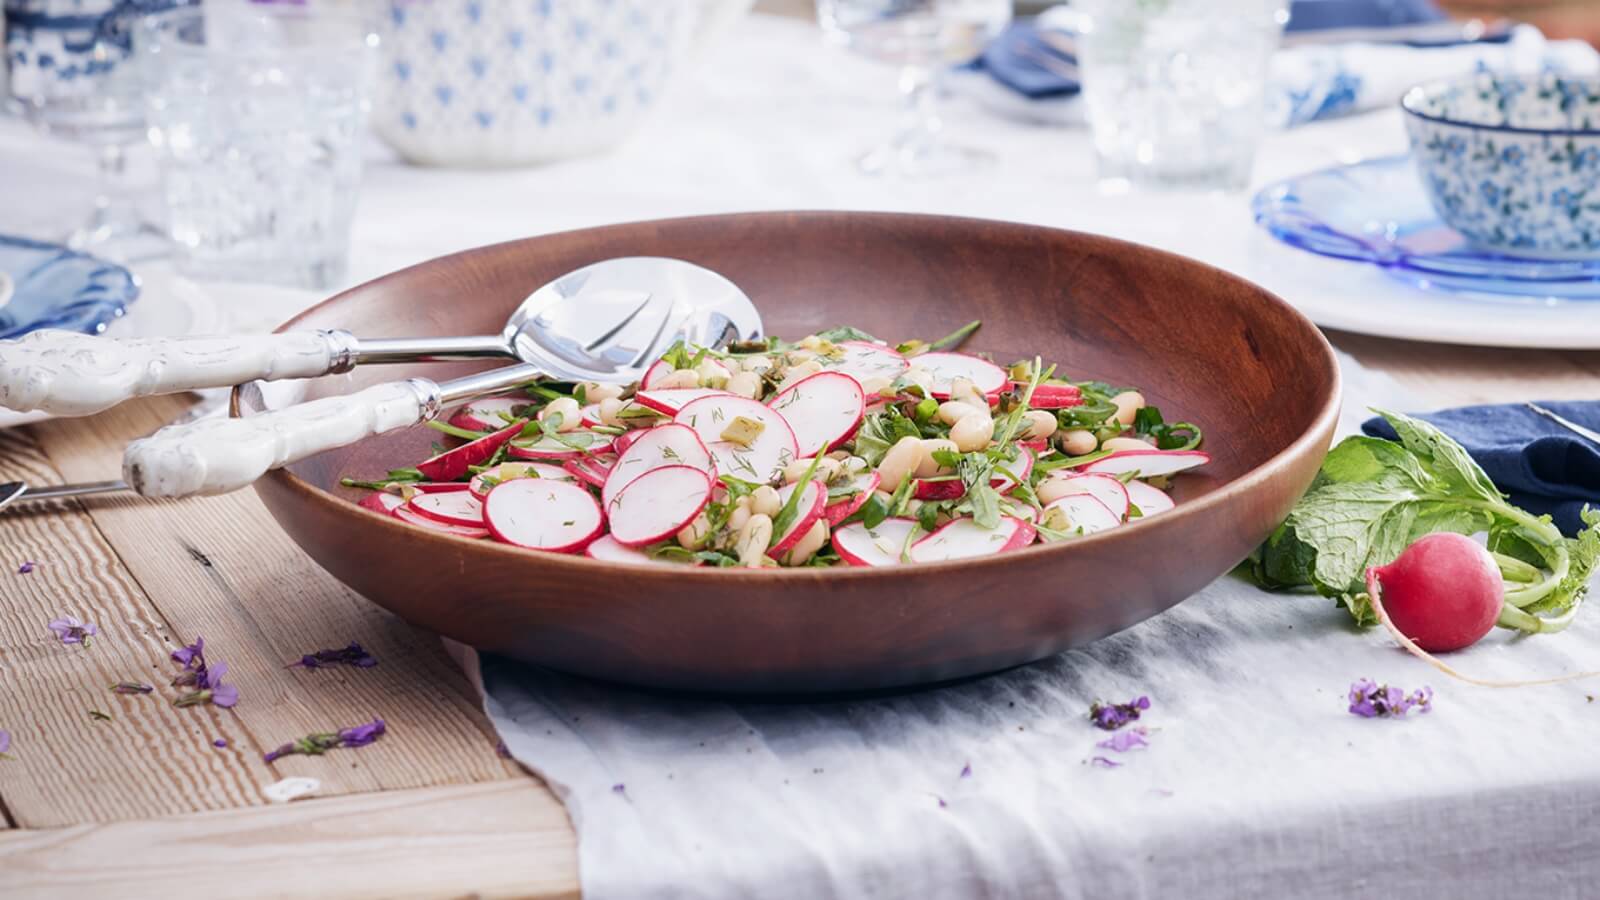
(70, 75)
(257, 112)
(923, 38)
(1174, 89)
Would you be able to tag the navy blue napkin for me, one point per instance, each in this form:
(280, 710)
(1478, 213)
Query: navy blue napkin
(1045, 65)
(1542, 466)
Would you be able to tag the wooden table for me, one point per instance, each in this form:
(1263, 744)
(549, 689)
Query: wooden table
(126, 808)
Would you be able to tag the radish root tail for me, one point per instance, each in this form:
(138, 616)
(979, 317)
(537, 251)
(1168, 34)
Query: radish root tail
(1375, 592)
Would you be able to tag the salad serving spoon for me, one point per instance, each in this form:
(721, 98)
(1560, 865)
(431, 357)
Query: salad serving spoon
(589, 325)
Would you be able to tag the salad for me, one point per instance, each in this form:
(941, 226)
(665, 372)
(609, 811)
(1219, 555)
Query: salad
(836, 449)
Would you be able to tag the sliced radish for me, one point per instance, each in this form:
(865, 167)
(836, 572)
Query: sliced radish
(965, 538)
(813, 501)
(1108, 490)
(665, 445)
(381, 502)
(652, 376)
(823, 409)
(768, 452)
(1148, 463)
(607, 548)
(862, 360)
(435, 487)
(487, 414)
(951, 488)
(570, 445)
(455, 508)
(589, 416)
(844, 505)
(452, 464)
(1011, 506)
(947, 367)
(859, 545)
(484, 481)
(591, 470)
(669, 400)
(1152, 501)
(407, 514)
(543, 514)
(1055, 396)
(1084, 514)
(657, 504)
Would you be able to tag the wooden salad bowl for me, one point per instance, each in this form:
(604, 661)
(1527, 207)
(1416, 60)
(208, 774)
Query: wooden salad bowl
(1201, 344)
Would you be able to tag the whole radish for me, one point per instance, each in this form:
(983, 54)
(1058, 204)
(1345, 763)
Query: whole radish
(1444, 592)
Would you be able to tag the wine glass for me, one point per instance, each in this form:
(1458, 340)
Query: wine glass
(923, 38)
(71, 76)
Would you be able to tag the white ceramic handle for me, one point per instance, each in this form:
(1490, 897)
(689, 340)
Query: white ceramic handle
(216, 456)
(71, 374)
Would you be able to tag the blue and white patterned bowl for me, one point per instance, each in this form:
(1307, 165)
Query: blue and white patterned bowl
(499, 83)
(1512, 162)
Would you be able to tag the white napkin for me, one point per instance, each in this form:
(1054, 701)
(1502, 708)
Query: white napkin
(1257, 782)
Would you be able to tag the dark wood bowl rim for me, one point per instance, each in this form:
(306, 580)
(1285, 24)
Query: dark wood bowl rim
(579, 564)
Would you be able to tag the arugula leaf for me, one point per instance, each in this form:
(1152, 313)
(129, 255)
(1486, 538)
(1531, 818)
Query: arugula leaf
(1147, 422)
(874, 511)
(791, 508)
(453, 431)
(883, 430)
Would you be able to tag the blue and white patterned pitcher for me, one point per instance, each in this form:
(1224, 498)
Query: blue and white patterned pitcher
(498, 83)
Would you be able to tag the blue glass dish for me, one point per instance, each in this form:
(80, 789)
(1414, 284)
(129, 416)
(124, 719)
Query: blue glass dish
(1377, 212)
(61, 288)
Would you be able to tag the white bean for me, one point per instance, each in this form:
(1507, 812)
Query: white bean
(754, 539)
(875, 385)
(764, 501)
(682, 378)
(1078, 442)
(797, 357)
(756, 364)
(901, 461)
(1055, 487)
(1126, 443)
(1128, 404)
(745, 384)
(567, 408)
(595, 392)
(693, 536)
(963, 390)
(953, 411)
(928, 467)
(609, 408)
(808, 545)
(795, 373)
(1040, 424)
(973, 432)
(827, 470)
(713, 374)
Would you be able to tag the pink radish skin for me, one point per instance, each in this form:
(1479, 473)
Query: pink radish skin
(381, 502)
(411, 516)
(508, 471)
(862, 360)
(607, 548)
(668, 401)
(965, 538)
(549, 448)
(652, 376)
(812, 503)
(484, 415)
(1444, 592)
(590, 470)
(1152, 501)
(824, 410)
(845, 507)
(658, 504)
(1085, 513)
(543, 514)
(436, 487)
(774, 448)
(1111, 492)
(589, 416)
(452, 464)
(664, 445)
(1148, 463)
(951, 488)
(455, 508)
(860, 546)
(1055, 396)
(626, 439)
(946, 367)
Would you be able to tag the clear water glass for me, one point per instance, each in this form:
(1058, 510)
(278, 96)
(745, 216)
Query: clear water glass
(923, 38)
(257, 112)
(1174, 89)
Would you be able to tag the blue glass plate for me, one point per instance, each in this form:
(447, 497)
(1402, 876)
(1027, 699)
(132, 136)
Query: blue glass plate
(61, 288)
(1376, 212)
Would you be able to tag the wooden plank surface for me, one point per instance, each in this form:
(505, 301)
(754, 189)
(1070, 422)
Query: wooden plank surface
(503, 839)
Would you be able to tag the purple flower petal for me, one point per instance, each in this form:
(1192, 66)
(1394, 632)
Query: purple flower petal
(352, 655)
(225, 695)
(619, 788)
(220, 743)
(1111, 716)
(966, 771)
(362, 735)
(1371, 700)
(69, 630)
(5, 740)
(195, 651)
(26, 567)
(1123, 741)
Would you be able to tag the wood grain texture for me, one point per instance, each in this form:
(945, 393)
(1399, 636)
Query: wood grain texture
(505, 839)
(215, 567)
(1451, 375)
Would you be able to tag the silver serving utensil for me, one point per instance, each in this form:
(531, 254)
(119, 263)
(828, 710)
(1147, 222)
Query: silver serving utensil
(591, 329)
(590, 324)
(1569, 425)
(19, 491)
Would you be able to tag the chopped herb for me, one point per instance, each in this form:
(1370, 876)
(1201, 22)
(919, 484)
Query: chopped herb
(1111, 716)
(131, 687)
(99, 716)
(352, 655)
(791, 508)
(453, 431)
